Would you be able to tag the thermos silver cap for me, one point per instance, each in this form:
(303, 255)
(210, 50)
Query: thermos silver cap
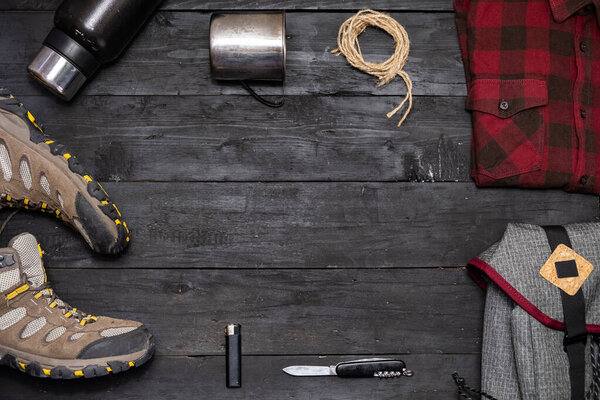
(57, 73)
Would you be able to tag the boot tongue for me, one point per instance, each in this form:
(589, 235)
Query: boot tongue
(30, 253)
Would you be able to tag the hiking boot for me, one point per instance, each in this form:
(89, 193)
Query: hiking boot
(45, 337)
(36, 173)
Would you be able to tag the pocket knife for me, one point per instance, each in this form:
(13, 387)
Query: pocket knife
(369, 367)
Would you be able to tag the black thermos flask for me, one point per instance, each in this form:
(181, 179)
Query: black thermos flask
(87, 34)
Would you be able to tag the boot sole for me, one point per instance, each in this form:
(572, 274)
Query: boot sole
(56, 368)
(94, 189)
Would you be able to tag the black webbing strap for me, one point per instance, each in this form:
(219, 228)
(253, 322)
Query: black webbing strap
(574, 315)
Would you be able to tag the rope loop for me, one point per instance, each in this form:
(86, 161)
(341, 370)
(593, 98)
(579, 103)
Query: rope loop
(386, 71)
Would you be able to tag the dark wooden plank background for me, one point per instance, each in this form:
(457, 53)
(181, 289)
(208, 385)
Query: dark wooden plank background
(321, 227)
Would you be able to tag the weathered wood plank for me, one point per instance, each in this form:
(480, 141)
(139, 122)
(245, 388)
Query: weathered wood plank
(287, 311)
(166, 138)
(322, 5)
(255, 225)
(171, 57)
(204, 377)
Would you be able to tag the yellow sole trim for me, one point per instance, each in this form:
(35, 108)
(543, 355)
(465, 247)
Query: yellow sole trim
(46, 371)
(67, 156)
(131, 364)
(32, 120)
(103, 189)
(109, 369)
(22, 365)
(78, 373)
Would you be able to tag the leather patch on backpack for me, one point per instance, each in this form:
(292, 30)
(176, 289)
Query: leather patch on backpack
(566, 269)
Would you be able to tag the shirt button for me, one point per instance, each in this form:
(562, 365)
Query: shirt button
(582, 113)
(584, 179)
(582, 46)
(503, 105)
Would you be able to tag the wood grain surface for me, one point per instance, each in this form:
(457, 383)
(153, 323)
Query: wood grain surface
(291, 312)
(174, 378)
(326, 231)
(307, 224)
(171, 56)
(315, 5)
(234, 138)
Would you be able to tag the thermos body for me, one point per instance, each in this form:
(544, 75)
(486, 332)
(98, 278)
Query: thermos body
(248, 46)
(87, 34)
(105, 27)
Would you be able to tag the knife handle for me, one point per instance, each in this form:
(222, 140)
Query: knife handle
(381, 368)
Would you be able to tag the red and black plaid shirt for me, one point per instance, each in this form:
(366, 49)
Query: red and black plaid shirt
(533, 76)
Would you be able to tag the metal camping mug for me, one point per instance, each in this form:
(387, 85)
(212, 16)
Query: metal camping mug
(248, 46)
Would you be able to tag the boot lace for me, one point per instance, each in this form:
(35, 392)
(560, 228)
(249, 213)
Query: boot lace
(7, 200)
(46, 292)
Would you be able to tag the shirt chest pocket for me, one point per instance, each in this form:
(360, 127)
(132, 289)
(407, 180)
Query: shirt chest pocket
(509, 125)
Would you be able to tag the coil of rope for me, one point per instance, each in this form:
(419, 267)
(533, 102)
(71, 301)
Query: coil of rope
(386, 71)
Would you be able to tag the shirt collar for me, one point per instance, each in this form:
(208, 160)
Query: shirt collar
(563, 9)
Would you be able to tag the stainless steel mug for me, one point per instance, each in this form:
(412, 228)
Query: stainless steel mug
(248, 46)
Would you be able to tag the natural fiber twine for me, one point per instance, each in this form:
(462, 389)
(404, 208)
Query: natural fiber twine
(386, 71)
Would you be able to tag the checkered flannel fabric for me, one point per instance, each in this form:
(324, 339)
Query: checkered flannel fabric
(533, 77)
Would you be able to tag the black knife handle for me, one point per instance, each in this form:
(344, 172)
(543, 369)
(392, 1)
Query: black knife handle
(370, 368)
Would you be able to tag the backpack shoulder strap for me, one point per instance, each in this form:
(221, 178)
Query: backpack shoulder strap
(574, 315)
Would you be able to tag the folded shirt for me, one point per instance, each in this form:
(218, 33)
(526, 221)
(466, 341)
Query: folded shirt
(533, 76)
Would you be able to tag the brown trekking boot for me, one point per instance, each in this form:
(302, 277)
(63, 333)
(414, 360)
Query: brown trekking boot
(36, 173)
(45, 337)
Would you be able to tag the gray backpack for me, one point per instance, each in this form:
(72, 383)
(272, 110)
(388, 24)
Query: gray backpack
(541, 326)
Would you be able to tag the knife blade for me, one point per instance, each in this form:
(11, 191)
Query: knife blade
(369, 367)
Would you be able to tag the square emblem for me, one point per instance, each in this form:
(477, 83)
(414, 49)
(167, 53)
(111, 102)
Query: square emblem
(562, 262)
